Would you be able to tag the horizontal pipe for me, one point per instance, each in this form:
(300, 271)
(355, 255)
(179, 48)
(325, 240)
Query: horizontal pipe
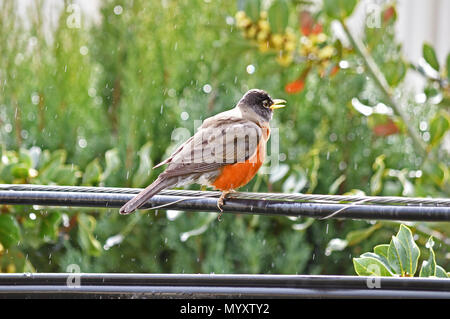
(246, 206)
(218, 286)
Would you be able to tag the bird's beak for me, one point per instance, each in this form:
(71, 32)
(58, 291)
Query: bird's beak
(278, 104)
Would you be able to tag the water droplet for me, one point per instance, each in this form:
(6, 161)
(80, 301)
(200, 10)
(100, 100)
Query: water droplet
(84, 50)
(207, 88)
(118, 10)
(112, 241)
(250, 69)
(184, 115)
(82, 143)
(35, 98)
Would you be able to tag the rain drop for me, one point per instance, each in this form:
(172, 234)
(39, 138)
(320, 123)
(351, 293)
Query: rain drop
(118, 10)
(250, 69)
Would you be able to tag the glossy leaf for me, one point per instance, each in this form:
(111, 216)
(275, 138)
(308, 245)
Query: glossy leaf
(394, 72)
(441, 273)
(381, 250)
(376, 181)
(9, 231)
(403, 253)
(335, 186)
(19, 170)
(430, 56)
(429, 266)
(439, 126)
(86, 238)
(370, 266)
(448, 66)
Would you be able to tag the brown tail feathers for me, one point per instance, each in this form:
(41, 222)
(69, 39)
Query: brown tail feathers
(140, 199)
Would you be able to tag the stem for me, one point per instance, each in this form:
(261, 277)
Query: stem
(380, 81)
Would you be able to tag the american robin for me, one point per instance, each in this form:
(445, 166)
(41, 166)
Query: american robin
(225, 153)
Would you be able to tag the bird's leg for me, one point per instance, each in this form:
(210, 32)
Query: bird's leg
(220, 201)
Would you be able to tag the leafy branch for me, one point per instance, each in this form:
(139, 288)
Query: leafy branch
(399, 258)
(379, 79)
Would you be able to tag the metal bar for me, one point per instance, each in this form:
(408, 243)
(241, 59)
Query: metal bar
(389, 200)
(246, 206)
(219, 286)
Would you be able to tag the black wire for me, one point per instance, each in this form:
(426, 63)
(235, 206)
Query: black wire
(233, 205)
(218, 286)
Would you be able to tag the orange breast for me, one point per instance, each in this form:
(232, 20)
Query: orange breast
(237, 175)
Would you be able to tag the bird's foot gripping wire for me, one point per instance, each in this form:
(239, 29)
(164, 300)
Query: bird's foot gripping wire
(221, 202)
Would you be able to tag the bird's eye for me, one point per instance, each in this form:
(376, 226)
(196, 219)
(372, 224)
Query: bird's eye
(266, 103)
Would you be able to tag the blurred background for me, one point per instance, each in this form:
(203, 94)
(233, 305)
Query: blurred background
(97, 92)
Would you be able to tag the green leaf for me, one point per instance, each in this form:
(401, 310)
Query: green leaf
(339, 9)
(25, 158)
(334, 187)
(403, 253)
(381, 259)
(429, 266)
(278, 15)
(395, 253)
(92, 173)
(448, 66)
(441, 273)
(251, 7)
(54, 171)
(61, 175)
(356, 236)
(370, 266)
(20, 170)
(112, 161)
(9, 231)
(86, 237)
(437, 174)
(430, 56)
(394, 72)
(381, 250)
(142, 176)
(376, 181)
(49, 228)
(439, 126)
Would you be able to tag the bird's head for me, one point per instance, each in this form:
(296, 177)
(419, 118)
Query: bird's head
(258, 105)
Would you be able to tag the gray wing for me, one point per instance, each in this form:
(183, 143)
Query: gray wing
(217, 143)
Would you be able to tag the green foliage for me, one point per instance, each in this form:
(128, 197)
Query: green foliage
(9, 231)
(339, 9)
(278, 16)
(430, 56)
(399, 258)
